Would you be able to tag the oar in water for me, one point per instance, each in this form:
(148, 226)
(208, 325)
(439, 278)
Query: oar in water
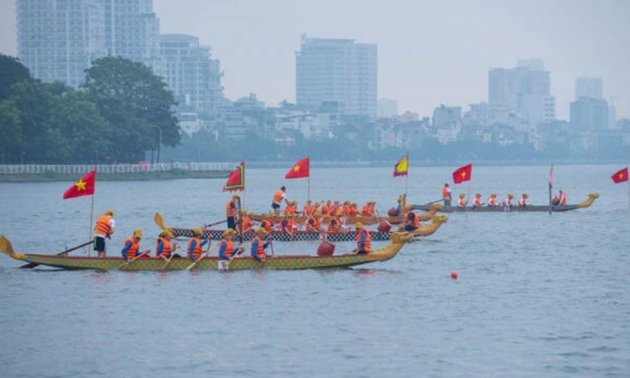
(33, 265)
(202, 257)
(136, 258)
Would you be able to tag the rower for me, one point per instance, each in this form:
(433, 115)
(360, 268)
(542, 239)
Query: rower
(522, 202)
(291, 208)
(132, 246)
(314, 223)
(447, 195)
(334, 224)
(226, 247)
(163, 246)
(507, 202)
(412, 222)
(562, 197)
(354, 209)
(195, 244)
(364, 241)
(326, 208)
(259, 244)
(462, 200)
(477, 201)
(267, 224)
(492, 200)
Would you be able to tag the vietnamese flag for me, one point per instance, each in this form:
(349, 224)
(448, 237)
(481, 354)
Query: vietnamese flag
(299, 169)
(621, 176)
(462, 174)
(83, 187)
(236, 180)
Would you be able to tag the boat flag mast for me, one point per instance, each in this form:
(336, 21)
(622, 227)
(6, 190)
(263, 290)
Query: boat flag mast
(550, 181)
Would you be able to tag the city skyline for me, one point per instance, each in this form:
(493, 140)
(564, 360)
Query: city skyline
(256, 44)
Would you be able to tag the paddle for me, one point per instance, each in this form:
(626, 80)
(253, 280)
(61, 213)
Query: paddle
(136, 258)
(33, 265)
(208, 250)
(215, 223)
(436, 201)
(240, 221)
(175, 248)
(223, 265)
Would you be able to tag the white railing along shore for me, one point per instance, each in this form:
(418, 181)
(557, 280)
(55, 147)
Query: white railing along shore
(26, 169)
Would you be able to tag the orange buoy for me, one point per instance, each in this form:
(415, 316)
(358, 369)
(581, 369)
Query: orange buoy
(325, 249)
(384, 226)
(454, 275)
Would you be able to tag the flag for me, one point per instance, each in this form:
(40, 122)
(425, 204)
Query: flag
(462, 174)
(299, 169)
(402, 167)
(83, 187)
(236, 180)
(621, 176)
(550, 178)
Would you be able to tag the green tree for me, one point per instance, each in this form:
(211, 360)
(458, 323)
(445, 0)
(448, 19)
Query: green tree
(11, 72)
(136, 102)
(10, 132)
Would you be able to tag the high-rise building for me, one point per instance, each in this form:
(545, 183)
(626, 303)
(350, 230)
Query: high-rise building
(337, 70)
(525, 89)
(58, 39)
(590, 87)
(589, 114)
(191, 73)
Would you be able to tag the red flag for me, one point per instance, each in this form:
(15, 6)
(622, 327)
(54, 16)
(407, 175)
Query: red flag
(621, 176)
(462, 174)
(236, 180)
(83, 187)
(299, 169)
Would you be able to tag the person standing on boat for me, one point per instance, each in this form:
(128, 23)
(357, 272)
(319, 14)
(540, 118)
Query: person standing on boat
(278, 197)
(364, 240)
(231, 211)
(163, 246)
(447, 196)
(104, 229)
(226, 248)
(522, 202)
(194, 245)
(132, 246)
(462, 200)
(259, 244)
(477, 201)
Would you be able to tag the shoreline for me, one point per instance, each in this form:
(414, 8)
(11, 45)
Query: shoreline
(148, 176)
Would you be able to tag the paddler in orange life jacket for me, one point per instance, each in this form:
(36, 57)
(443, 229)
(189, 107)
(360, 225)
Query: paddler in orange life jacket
(288, 224)
(164, 247)
(314, 223)
(507, 202)
(104, 229)
(231, 211)
(368, 209)
(492, 200)
(308, 209)
(278, 197)
(267, 224)
(194, 245)
(477, 201)
(334, 224)
(132, 246)
(447, 195)
(354, 209)
(462, 200)
(562, 197)
(326, 208)
(412, 222)
(291, 208)
(226, 247)
(364, 240)
(259, 244)
(522, 202)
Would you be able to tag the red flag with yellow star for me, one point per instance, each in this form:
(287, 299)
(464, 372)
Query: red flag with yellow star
(621, 176)
(83, 187)
(462, 174)
(299, 169)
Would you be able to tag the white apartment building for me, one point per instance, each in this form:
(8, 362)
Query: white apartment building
(337, 70)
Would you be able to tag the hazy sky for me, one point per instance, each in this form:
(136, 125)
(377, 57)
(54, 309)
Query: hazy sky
(429, 52)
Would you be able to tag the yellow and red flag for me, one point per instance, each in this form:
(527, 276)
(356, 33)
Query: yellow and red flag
(83, 187)
(236, 180)
(462, 174)
(620, 176)
(402, 167)
(301, 169)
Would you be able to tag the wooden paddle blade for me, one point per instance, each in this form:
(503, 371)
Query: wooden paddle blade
(159, 220)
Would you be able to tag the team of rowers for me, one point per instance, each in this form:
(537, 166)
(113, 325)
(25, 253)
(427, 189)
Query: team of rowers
(560, 199)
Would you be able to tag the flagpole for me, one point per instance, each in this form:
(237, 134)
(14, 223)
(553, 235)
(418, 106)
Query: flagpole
(309, 187)
(550, 187)
(406, 180)
(91, 219)
(467, 199)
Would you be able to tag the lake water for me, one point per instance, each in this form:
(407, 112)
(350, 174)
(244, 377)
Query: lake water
(537, 295)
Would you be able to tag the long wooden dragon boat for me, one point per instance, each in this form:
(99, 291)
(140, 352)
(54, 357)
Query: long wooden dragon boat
(490, 209)
(430, 212)
(292, 262)
(427, 230)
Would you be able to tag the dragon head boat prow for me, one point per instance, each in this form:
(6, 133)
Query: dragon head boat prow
(7, 248)
(591, 198)
(439, 218)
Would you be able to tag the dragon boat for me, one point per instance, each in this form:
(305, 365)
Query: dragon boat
(284, 236)
(284, 262)
(430, 212)
(540, 208)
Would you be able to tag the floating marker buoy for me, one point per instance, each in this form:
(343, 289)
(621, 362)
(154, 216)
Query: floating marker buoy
(384, 226)
(325, 249)
(454, 275)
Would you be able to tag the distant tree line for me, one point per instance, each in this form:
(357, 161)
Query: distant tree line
(118, 114)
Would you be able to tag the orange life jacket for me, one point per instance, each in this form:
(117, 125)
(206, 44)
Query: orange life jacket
(366, 211)
(290, 209)
(197, 250)
(102, 225)
(462, 202)
(563, 199)
(308, 210)
(229, 211)
(354, 211)
(313, 223)
(333, 209)
(133, 250)
(166, 251)
(277, 198)
(260, 251)
(229, 247)
(416, 220)
(445, 193)
(477, 201)
(367, 246)
(266, 224)
(246, 223)
(334, 228)
(522, 201)
(492, 201)
(345, 210)
(287, 224)
(325, 210)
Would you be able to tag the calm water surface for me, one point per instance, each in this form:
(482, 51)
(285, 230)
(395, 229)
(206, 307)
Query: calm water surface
(537, 295)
